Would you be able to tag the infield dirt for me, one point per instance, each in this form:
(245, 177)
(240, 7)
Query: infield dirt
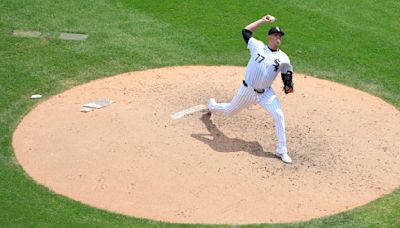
(133, 158)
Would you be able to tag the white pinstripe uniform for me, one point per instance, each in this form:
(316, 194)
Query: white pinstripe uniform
(262, 69)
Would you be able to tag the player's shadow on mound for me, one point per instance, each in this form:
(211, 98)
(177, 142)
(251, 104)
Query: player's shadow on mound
(221, 143)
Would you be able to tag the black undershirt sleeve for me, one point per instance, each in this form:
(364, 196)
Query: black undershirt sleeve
(246, 35)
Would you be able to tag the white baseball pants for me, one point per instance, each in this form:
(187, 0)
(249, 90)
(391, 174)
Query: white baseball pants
(246, 97)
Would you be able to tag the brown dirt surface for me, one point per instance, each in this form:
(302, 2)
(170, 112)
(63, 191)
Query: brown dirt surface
(132, 158)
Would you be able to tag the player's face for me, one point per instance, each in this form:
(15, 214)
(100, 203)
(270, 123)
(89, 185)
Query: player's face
(275, 39)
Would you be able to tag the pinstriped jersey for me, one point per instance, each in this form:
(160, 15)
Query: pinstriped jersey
(264, 64)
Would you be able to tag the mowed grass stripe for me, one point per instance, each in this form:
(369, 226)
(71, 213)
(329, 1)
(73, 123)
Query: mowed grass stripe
(338, 40)
(351, 42)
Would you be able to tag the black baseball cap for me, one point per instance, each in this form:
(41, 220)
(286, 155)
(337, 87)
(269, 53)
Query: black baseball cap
(276, 29)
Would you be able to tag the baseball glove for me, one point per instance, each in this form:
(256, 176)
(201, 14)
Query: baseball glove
(287, 82)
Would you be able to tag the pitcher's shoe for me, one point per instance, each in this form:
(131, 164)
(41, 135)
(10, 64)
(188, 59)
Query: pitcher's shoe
(284, 157)
(211, 103)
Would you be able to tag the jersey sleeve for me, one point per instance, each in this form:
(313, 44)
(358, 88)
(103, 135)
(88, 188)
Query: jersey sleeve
(285, 65)
(254, 44)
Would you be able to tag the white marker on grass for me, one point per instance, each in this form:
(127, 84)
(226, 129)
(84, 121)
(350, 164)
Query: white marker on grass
(189, 111)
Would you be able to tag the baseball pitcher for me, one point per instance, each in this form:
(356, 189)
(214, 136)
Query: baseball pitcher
(266, 62)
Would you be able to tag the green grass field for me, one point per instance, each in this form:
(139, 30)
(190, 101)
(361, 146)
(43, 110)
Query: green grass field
(352, 42)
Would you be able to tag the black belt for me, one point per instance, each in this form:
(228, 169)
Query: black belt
(260, 91)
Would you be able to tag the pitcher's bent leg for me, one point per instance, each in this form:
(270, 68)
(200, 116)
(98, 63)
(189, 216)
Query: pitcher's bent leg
(270, 102)
(240, 101)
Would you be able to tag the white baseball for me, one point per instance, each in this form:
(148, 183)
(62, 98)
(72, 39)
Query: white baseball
(271, 18)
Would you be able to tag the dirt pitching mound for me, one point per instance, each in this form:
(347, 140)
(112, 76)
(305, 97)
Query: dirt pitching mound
(131, 157)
